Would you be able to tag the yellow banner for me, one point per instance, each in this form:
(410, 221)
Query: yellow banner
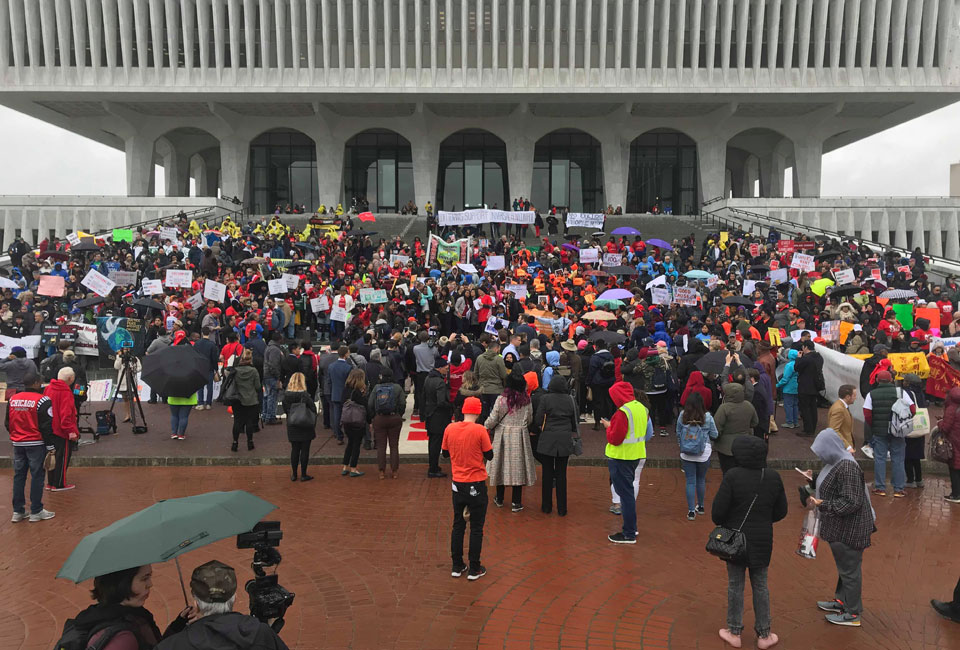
(904, 363)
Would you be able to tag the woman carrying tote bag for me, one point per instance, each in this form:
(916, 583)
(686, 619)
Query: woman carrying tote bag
(301, 419)
(556, 417)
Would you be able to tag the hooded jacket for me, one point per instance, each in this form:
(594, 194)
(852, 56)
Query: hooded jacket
(734, 418)
(688, 362)
(696, 385)
(788, 381)
(556, 417)
(621, 393)
(950, 425)
(660, 333)
(846, 514)
(64, 409)
(553, 362)
(751, 477)
(491, 372)
(231, 631)
(632, 369)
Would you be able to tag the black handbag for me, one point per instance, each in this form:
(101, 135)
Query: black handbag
(730, 545)
(301, 416)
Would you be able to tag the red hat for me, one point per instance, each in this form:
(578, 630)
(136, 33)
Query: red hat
(472, 406)
(884, 375)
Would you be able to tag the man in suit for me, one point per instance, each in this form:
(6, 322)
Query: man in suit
(839, 418)
(810, 382)
(338, 372)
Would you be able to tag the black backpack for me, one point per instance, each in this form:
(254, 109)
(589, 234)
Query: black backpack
(106, 422)
(607, 370)
(383, 399)
(659, 380)
(78, 638)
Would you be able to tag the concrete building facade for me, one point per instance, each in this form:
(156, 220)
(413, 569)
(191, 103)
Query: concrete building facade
(652, 105)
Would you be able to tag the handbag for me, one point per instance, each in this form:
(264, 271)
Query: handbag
(50, 461)
(730, 545)
(353, 414)
(921, 423)
(301, 417)
(941, 448)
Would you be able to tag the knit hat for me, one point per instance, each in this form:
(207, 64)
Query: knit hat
(18, 351)
(472, 406)
(533, 383)
(582, 345)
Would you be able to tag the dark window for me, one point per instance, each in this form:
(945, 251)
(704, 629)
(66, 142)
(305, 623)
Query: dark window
(662, 175)
(568, 172)
(472, 171)
(378, 170)
(283, 170)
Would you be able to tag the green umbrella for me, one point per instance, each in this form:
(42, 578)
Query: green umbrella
(609, 304)
(164, 531)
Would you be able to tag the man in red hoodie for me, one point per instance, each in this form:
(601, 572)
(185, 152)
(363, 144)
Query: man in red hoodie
(628, 431)
(64, 427)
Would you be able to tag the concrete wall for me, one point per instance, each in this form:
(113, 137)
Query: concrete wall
(955, 180)
(66, 214)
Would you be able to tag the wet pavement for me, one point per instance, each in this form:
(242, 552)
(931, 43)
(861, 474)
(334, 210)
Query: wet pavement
(369, 562)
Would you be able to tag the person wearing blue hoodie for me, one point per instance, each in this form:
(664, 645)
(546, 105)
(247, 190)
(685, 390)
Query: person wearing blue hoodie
(553, 362)
(660, 333)
(791, 400)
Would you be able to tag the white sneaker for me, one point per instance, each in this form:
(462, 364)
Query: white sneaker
(18, 516)
(42, 515)
(867, 451)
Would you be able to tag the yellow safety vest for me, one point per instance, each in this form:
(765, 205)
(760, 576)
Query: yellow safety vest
(633, 446)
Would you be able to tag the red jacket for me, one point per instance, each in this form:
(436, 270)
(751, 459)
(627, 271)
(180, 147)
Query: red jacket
(64, 409)
(621, 393)
(28, 420)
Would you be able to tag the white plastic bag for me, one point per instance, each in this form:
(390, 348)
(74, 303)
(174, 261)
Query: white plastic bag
(809, 535)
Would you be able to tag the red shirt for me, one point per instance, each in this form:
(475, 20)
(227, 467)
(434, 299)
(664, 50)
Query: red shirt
(467, 442)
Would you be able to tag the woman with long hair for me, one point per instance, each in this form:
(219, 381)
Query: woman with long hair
(513, 462)
(299, 434)
(246, 408)
(354, 390)
(695, 430)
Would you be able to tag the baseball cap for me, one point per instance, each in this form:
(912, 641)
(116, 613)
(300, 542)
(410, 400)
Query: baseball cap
(884, 375)
(472, 406)
(214, 582)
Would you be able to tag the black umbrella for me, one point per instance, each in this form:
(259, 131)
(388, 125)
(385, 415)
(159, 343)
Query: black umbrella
(298, 265)
(608, 336)
(258, 287)
(90, 302)
(85, 246)
(622, 270)
(309, 247)
(362, 233)
(845, 290)
(739, 301)
(149, 303)
(760, 268)
(177, 371)
(712, 363)
(827, 255)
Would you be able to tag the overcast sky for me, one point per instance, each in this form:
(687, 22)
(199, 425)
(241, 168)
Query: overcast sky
(912, 159)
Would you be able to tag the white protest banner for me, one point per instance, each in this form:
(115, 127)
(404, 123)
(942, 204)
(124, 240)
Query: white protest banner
(685, 295)
(213, 290)
(403, 259)
(339, 314)
(661, 295)
(98, 283)
(659, 281)
(802, 262)
(123, 278)
(86, 343)
(749, 286)
(373, 296)
(170, 234)
(844, 276)
(612, 259)
(73, 238)
(474, 217)
(779, 276)
(491, 326)
(30, 345)
(519, 290)
(292, 280)
(277, 285)
(585, 220)
(947, 343)
(589, 255)
(152, 287)
(467, 268)
(495, 263)
(840, 369)
(178, 278)
(195, 300)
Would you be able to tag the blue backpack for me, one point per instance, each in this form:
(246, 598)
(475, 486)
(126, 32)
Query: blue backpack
(694, 439)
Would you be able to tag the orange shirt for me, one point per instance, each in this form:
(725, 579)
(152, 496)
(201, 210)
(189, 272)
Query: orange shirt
(466, 442)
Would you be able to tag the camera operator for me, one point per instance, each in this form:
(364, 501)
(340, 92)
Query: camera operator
(126, 357)
(214, 589)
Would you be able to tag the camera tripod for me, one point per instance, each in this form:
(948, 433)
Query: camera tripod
(128, 379)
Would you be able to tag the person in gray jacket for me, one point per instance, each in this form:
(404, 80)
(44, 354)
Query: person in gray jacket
(735, 417)
(272, 371)
(20, 370)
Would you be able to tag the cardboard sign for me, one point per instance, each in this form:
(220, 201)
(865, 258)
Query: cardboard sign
(519, 290)
(754, 250)
(195, 300)
(98, 283)
(876, 274)
(293, 281)
(339, 314)
(373, 296)
(661, 295)
(467, 268)
(73, 238)
(403, 259)
(51, 285)
(151, 287)
(215, 291)
(802, 262)
(612, 259)
(178, 278)
(589, 255)
(685, 295)
(277, 285)
(495, 263)
(123, 278)
(170, 234)
(844, 276)
(122, 234)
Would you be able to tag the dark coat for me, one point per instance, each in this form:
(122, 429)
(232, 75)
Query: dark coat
(299, 434)
(736, 491)
(436, 409)
(556, 418)
(809, 369)
(225, 632)
(248, 383)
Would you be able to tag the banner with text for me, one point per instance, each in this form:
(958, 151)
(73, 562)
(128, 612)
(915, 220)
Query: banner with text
(585, 220)
(474, 217)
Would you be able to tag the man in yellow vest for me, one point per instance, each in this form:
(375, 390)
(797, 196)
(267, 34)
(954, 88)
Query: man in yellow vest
(628, 431)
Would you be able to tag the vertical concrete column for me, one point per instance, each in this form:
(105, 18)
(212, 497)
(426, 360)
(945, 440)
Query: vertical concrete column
(711, 160)
(519, 166)
(425, 151)
(329, 169)
(234, 159)
(176, 173)
(616, 161)
(139, 159)
(212, 178)
(809, 158)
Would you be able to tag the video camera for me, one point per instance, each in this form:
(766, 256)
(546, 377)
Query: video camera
(268, 599)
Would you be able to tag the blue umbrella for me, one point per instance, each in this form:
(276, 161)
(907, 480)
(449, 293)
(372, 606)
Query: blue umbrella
(697, 274)
(659, 243)
(626, 230)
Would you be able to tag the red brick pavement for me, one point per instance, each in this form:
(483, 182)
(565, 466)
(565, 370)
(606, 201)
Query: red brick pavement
(369, 562)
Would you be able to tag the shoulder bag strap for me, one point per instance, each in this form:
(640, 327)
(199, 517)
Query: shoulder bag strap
(752, 502)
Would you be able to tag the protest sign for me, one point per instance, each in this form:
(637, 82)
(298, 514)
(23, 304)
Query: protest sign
(904, 269)
(123, 278)
(116, 332)
(749, 286)
(785, 246)
(86, 341)
(373, 296)
(612, 259)
(906, 363)
(585, 220)
(196, 300)
(712, 281)
(844, 276)
(904, 315)
(589, 255)
(277, 286)
(876, 274)
(802, 262)
(779, 276)
(30, 345)
(168, 233)
(293, 281)
(495, 262)
(830, 330)
(660, 280)
(449, 252)
(947, 343)
(339, 314)
(215, 291)
(661, 295)
(98, 283)
(685, 295)
(316, 305)
(491, 326)
(796, 334)
(73, 238)
(942, 377)
(178, 278)
(474, 217)
(152, 287)
(403, 259)
(467, 268)
(754, 250)
(519, 290)
(122, 234)
(51, 285)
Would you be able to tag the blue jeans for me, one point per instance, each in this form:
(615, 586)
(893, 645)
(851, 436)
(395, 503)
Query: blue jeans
(621, 475)
(32, 458)
(271, 386)
(205, 395)
(897, 448)
(179, 415)
(290, 327)
(336, 409)
(791, 406)
(696, 474)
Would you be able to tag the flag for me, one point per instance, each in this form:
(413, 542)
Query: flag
(942, 378)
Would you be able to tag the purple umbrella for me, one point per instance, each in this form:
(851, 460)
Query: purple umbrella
(570, 247)
(616, 294)
(659, 243)
(626, 230)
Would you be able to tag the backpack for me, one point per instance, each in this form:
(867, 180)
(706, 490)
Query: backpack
(353, 414)
(383, 400)
(106, 422)
(50, 366)
(659, 380)
(229, 393)
(901, 419)
(75, 637)
(607, 370)
(694, 439)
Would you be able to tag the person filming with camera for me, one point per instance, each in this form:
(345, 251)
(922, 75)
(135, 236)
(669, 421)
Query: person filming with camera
(213, 588)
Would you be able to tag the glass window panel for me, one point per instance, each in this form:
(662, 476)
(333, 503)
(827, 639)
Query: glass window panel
(387, 183)
(560, 182)
(473, 180)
